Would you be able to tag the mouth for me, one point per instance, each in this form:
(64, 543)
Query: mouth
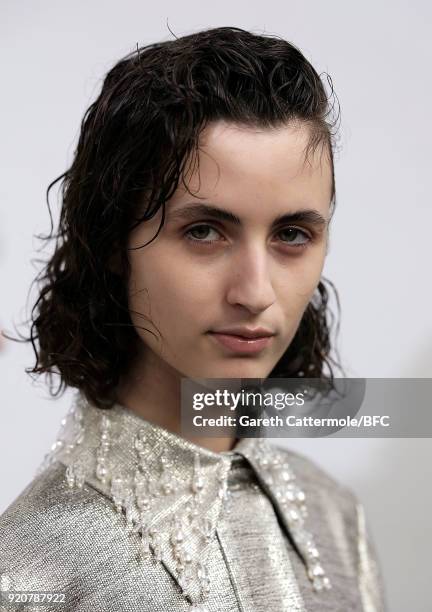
(242, 344)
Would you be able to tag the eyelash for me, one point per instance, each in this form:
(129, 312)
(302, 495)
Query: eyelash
(210, 242)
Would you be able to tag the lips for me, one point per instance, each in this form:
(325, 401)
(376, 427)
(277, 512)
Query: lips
(241, 344)
(245, 332)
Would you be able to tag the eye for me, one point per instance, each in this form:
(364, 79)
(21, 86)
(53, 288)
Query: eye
(202, 233)
(292, 233)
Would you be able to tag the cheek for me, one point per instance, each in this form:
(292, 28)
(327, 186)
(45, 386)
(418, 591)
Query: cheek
(168, 292)
(298, 286)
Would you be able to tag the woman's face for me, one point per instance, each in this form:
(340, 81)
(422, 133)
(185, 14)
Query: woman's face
(204, 273)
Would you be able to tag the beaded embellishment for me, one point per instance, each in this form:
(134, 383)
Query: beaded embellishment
(137, 492)
(280, 478)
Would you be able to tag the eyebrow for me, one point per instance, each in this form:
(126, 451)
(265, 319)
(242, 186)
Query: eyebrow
(309, 216)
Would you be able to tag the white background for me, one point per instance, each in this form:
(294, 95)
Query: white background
(54, 56)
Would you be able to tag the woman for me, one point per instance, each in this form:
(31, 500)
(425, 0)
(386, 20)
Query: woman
(194, 223)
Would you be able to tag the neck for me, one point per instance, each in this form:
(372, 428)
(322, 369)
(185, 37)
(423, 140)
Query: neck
(152, 390)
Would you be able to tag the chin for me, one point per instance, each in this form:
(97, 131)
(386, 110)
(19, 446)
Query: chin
(238, 370)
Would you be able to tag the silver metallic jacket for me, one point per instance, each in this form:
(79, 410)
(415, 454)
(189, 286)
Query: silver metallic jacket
(126, 516)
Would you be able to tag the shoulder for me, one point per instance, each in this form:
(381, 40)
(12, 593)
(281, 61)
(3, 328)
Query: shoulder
(46, 526)
(339, 520)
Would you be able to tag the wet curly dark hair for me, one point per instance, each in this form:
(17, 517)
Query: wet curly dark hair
(133, 146)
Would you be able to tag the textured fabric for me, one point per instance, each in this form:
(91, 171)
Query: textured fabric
(54, 538)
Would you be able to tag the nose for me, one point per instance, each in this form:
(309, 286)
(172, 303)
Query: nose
(250, 282)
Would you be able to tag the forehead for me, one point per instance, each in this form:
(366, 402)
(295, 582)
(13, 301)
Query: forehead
(242, 165)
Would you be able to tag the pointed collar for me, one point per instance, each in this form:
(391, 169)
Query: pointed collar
(172, 491)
